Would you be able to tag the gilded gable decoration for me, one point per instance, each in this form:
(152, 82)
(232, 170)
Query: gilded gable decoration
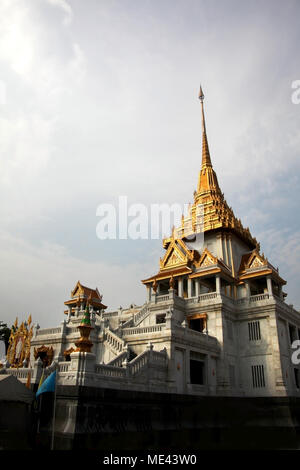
(45, 353)
(177, 254)
(19, 343)
(207, 259)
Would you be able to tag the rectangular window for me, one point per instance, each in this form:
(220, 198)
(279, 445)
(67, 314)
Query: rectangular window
(197, 372)
(197, 324)
(258, 376)
(160, 318)
(254, 331)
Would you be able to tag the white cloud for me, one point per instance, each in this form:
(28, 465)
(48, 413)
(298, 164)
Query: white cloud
(65, 7)
(107, 105)
(38, 279)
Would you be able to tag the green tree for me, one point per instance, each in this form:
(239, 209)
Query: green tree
(4, 333)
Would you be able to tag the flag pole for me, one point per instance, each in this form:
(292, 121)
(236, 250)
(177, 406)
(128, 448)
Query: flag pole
(54, 408)
(40, 402)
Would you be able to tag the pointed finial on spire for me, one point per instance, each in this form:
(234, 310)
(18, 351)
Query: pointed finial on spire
(201, 94)
(205, 150)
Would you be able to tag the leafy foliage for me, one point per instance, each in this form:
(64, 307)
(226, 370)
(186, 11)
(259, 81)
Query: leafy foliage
(4, 333)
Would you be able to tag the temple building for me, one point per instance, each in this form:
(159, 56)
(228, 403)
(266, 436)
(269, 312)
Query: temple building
(214, 322)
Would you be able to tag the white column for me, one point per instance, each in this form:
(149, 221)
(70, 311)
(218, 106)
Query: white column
(180, 287)
(247, 289)
(189, 288)
(149, 293)
(218, 284)
(269, 284)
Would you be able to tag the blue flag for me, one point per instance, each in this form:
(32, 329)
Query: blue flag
(48, 385)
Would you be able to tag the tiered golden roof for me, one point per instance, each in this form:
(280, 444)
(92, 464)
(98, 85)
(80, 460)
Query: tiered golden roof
(214, 208)
(209, 212)
(83, 293)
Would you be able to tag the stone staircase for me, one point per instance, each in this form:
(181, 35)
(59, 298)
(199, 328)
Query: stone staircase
(114, 342)
(141, 315)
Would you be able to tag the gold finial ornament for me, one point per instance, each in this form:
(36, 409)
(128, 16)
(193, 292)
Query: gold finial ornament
(201, 94)
(206, 162)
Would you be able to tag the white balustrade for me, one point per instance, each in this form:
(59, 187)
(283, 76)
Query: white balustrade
(110, 371)
(162, 298)
(116, 343)
(64, 366)
(48, 331)
(255, 298)
(141, 315)
(143, 330)
(20, 373)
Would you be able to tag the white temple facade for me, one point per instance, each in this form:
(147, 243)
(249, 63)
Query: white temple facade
(214, 323)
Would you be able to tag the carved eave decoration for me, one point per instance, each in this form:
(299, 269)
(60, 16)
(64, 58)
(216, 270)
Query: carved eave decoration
(209, 264)
(167, 274)
(256, 265)
(207, 259)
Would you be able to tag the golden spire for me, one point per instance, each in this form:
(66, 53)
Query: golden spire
(207, 180)
(205, 150)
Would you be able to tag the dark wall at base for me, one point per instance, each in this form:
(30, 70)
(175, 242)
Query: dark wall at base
(106, 419)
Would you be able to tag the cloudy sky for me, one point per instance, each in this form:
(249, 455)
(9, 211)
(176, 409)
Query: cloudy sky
(99, 99)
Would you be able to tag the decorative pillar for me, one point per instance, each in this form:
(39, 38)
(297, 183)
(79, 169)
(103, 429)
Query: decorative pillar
(149, 347)
(78, 307)
(171, 288)
(69, 313)
(218, 284)
(169, 319)
(189, 288)
(248, 292)
(197, 287)
(180, 286)
(269, 285)
(37, 370)
(154, 289)
(149, 293)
